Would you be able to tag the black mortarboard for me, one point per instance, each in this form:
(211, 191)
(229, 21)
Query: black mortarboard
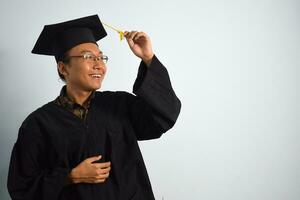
(57, 39)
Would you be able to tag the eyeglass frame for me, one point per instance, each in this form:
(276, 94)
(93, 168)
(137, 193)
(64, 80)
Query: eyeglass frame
(101, 57)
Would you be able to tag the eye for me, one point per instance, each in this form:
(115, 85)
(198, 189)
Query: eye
(98, 58)
(88, 56)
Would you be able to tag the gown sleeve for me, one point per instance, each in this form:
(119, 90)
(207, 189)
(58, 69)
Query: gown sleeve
(156, 106)
(31, 176)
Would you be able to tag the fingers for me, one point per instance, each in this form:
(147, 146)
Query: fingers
(102, 172)
(130, 35)
(102, 165)
(99, 176)
(140, 35)
(102, 176)
(134, 35)
(98, 181)
(89, 172)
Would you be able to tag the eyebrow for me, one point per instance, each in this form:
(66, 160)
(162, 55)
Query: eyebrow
(88, 51)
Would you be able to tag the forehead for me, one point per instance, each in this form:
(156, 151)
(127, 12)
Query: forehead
(86, 47)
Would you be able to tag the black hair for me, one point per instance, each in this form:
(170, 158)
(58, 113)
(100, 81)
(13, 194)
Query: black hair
(65, 59)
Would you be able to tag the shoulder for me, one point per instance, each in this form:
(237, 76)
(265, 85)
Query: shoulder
(32, 130)
(33, 120)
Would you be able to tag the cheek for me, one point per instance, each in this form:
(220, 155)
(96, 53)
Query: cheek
(79, 72)
(104, 69)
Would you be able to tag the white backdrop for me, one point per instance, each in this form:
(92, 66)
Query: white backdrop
(234, 64)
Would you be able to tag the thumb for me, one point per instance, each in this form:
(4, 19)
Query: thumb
(94, 158)
(130, 42)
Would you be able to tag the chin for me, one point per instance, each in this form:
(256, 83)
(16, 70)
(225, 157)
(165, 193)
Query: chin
(92, 87)
(97, 87)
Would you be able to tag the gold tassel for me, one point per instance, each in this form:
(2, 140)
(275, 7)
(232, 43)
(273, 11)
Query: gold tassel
(121, 33)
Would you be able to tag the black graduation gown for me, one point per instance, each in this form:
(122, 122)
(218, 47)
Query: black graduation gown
(52, 141)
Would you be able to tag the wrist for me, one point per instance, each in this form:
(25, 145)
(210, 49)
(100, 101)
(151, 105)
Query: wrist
(148, 60)
(72, 176)
(69, 180)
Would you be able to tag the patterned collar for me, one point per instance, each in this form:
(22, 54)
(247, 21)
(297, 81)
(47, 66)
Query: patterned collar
(79, 110)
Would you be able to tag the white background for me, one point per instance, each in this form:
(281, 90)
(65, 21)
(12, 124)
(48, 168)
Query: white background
(234, 65)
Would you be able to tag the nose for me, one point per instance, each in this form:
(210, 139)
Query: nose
(98, 64)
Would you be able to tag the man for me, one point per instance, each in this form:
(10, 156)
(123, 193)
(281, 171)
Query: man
(83, 145)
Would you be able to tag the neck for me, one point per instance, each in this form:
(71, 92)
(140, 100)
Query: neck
(76, 95)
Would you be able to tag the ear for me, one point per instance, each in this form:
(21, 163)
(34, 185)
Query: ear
(62, 68)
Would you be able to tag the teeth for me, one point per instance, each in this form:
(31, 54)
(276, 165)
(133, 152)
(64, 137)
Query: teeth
(96, 75)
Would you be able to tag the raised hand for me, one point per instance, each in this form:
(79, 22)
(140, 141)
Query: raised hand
(140, 45)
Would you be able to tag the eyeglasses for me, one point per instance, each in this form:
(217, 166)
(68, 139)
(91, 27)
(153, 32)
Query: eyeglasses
(91, 57)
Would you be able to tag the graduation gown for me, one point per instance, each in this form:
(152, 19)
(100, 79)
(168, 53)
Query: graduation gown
(52, 141)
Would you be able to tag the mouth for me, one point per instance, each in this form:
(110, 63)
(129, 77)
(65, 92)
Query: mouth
(96, 76)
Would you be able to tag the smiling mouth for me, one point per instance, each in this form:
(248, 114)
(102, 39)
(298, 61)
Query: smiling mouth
(96, 75)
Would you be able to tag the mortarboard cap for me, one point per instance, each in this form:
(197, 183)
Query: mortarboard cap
(57, 39)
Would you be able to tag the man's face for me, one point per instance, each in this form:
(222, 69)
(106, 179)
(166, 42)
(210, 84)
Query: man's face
(85, 74)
